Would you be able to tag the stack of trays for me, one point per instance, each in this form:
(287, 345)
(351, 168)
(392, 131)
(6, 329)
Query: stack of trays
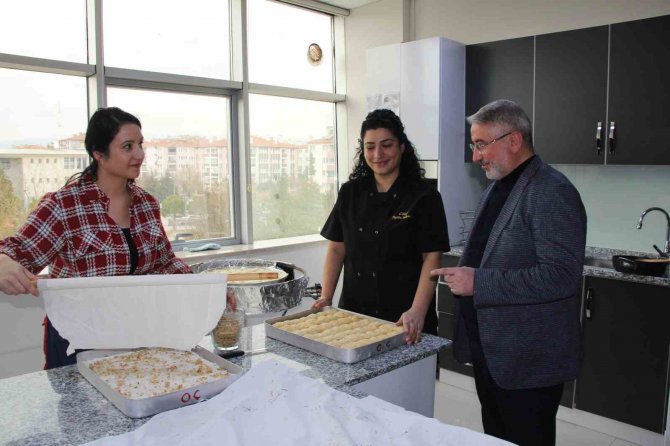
(336, 334)
(137, 401)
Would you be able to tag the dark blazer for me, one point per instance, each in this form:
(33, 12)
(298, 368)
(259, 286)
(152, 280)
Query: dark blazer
(526, 289)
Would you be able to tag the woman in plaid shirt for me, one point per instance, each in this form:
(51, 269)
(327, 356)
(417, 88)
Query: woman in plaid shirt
(99, 224)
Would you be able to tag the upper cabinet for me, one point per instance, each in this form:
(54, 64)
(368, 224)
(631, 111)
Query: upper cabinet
(639, 92)
(571, 96)
(497, 70)
(601, 94)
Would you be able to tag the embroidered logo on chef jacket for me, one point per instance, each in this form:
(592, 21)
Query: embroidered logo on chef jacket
(401, 216)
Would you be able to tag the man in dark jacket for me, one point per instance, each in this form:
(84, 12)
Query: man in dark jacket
(518, 281)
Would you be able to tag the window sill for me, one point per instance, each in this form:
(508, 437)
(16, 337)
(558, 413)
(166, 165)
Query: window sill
(257, 247)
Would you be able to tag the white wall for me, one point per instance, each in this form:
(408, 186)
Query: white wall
(611, 193)
(21, 332)
(370, 26)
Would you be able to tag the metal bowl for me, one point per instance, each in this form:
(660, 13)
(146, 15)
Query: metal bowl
(261, 298)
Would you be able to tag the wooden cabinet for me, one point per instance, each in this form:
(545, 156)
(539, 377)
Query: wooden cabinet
(571, 96)
(498, 70)
(639, 92)
(624, 374)
(598, 95)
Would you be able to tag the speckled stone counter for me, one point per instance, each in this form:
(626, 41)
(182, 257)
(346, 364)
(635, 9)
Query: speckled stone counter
(606, 253)
(610, 273)
(59, 407)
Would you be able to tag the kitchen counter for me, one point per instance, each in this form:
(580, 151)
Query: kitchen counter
(59, 407)
(609, 273)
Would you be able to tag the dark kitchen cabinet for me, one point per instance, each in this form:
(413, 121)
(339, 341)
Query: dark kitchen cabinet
(599, 95)
(447, 322)
(639, 92)
(624, 374)
(498, 70)
(571, 96)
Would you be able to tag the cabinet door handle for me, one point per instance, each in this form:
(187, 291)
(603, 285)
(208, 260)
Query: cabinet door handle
(599, 137)
(589, 303)
(611, 137)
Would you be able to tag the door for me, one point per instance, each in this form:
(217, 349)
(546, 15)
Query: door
(571, 96)
(626, 339)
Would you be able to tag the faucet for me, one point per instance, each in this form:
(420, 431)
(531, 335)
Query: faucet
(666, 250)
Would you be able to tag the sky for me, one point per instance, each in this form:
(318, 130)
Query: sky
(167, 36)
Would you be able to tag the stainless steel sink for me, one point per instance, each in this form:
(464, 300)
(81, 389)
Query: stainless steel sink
(599, 263)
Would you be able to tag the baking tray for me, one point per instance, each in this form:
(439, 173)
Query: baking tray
(346, 355)
(143, 407)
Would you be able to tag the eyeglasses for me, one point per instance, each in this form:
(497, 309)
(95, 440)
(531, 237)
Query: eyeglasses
(480, 146)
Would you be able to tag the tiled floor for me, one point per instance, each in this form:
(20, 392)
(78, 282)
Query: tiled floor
(456, 403)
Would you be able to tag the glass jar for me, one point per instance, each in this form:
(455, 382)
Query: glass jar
(226, 334)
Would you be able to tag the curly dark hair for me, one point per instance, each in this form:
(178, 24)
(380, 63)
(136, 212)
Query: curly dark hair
(385, 119)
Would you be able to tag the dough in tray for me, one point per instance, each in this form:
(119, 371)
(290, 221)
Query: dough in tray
(152, 372)
(340, 329)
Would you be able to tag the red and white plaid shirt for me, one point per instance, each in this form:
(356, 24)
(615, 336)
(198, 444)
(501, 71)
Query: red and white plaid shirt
(71, 231)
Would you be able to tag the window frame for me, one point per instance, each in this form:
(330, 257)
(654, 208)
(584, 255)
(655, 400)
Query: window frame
(237, 90)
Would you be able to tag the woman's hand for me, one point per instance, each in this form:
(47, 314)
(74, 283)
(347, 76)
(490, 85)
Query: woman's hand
(412, 324)
(15, 278)
(322, 302)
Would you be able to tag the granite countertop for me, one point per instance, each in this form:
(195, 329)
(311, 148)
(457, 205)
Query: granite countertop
(610, 273)
(59, 407)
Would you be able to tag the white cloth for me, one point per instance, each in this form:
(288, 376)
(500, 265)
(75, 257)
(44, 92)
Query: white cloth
(162, 310)
(275, 405)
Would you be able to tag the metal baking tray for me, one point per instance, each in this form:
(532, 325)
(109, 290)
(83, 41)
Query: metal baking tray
(346, 355)
(143, 407)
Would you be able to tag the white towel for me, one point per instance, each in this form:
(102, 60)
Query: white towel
(172, 310)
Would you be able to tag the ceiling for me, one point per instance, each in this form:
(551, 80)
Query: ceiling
(348, 4)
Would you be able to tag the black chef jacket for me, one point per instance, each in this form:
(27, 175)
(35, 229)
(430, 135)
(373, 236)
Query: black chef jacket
(385, 235)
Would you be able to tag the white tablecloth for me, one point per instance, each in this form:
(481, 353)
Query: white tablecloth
(275, 405)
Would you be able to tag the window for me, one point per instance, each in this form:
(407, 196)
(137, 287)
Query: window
(279, 39)
(45, 29)
(168, 36)
(38, 109)
(295, 198)
(179, 67)
(194, 192)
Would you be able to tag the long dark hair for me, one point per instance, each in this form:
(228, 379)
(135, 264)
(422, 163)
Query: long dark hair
(386, 119)
(102, 128)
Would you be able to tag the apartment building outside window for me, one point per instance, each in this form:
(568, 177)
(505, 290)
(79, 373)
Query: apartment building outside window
(237, 136)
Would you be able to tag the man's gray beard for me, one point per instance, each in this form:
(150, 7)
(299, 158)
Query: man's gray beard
(493, 173)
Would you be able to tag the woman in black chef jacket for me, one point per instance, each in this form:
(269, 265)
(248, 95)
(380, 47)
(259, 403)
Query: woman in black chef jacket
(388, 230)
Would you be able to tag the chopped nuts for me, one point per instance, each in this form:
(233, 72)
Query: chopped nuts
(155, 371)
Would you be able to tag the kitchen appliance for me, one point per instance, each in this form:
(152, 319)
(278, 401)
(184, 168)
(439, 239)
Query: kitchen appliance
(640, 265)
